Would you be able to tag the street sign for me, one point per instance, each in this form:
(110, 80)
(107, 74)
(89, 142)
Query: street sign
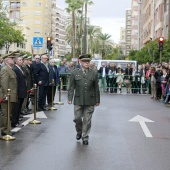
(38, 42)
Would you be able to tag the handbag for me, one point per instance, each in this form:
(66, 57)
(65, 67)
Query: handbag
(126, 81)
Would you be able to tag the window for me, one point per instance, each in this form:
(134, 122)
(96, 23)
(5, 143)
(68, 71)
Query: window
(135, 21)
(37, 31)
(136, 32)
(24, 13)
(37, 4)
(37, 13)
(13, 5)
(37, 22)
(24, 3)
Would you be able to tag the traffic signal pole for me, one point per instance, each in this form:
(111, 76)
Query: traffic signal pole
(49, 45)
(161, 44)
(49, 53)
(160, 57)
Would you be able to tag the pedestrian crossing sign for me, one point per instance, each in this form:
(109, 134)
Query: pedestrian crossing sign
(38, 42)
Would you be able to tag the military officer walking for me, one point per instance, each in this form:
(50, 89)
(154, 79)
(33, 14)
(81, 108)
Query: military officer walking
(85, 90)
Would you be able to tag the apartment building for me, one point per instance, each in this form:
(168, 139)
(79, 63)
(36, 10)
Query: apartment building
(135, 25)
(128, 30)
(34, 19)
(60, 32)
(154, 19)
(122, 43)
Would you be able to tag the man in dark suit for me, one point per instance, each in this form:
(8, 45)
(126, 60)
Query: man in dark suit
(84, 87)
(54, 79)
(41, 75)
(21, 91)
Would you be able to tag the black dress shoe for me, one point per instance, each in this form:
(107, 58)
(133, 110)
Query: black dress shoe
(44, 109)
(17, 125)
(20, 119)
(85, 142)
(39, 109)
(24, 113)
(78, 136)
(28, 113)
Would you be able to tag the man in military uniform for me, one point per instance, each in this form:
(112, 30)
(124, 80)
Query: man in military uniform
(7, 81)
(84, 87)
(24, 109)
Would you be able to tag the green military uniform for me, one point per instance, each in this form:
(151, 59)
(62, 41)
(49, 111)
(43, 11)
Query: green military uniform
(85, 90)
(7, 81)
(28, 79)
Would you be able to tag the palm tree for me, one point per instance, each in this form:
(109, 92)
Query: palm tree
(104, 40)
(73, 6)
(93, 33)
(86, 3)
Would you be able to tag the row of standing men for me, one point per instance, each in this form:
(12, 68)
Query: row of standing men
(19, 73)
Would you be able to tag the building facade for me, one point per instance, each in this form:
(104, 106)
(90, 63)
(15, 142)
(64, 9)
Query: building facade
(122, 43)
(60, 33)
(154, 19)
(128, 30)
(135, 25)
(34, 19)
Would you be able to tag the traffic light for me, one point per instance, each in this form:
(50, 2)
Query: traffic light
(49, 44)
(161, 43)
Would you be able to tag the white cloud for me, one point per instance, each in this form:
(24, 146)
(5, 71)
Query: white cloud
(110, 26)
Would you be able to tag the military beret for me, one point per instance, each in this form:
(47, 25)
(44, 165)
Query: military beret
(85, 57)
(12, 55)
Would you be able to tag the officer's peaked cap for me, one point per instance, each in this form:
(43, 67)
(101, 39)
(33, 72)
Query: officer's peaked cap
(12, 55)
(85, 57)
(29, 58)
(25, 56)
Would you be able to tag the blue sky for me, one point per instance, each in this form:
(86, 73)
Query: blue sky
(108, 14)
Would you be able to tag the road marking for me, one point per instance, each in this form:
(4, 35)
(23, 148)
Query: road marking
(31, 117)
(142, 121)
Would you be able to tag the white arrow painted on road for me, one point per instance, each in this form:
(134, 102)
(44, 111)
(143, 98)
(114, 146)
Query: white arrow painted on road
(31, 117)
(142, 121)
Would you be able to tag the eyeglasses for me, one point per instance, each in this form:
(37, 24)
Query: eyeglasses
(45, 58)
(37, 58)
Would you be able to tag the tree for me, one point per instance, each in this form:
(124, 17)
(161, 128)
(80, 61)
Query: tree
(104, 40)
(93, 33)
(86, 3)
(73, 6)
(8, 32)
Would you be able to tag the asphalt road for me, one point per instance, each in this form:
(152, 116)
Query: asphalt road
(115, 142)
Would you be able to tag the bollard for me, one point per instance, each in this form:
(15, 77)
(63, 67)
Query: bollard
(8, 137)
(35, 106)
(60, 103)
(52, 107)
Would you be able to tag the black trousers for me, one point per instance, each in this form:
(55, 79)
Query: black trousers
(42, 96)
(111, 80)
(49, 94)
(64, 80)
(16, 109)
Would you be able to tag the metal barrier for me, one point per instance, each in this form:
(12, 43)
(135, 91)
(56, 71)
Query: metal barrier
(134, 83)
(107, 84)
